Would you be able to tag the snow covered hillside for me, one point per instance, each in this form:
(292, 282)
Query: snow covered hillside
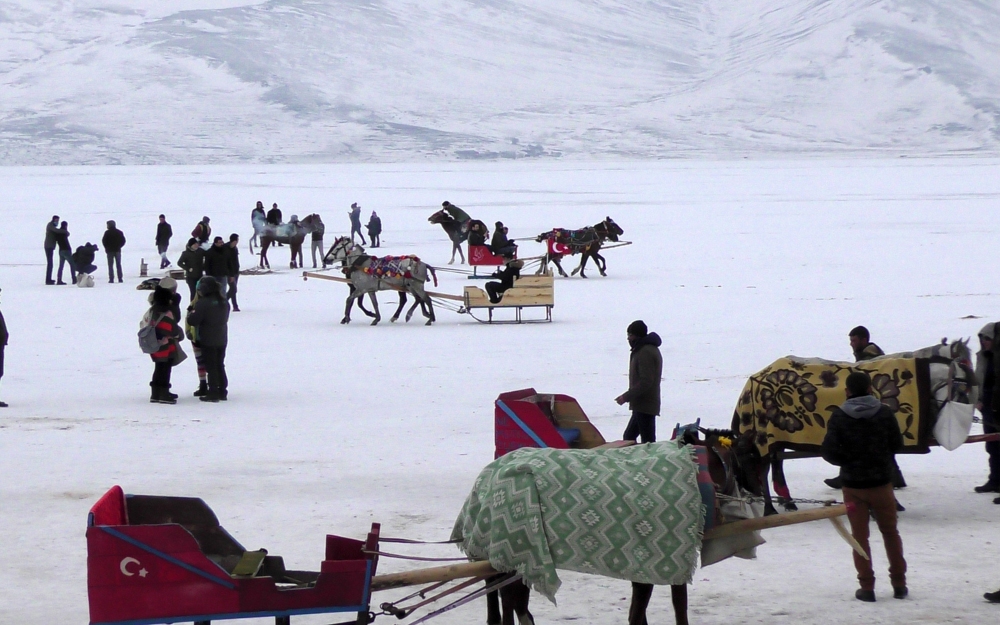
(224, 81)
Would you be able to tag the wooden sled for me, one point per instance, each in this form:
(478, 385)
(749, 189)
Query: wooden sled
(527, 292)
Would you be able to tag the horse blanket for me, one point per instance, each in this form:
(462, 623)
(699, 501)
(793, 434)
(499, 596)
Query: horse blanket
(632, 513)
(391, 267)
(787, 404)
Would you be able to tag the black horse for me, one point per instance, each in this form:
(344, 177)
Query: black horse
(457, 225)
(731, 461)
(586, 241)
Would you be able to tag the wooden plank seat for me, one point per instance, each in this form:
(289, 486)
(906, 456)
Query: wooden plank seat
(527, 292)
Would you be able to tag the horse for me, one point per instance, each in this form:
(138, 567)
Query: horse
(731, 469)
(780, 406)
(293, 233)
(586, 241)
(405, 274)
(456, 224)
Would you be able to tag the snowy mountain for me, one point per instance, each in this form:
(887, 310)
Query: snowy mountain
(218, 81)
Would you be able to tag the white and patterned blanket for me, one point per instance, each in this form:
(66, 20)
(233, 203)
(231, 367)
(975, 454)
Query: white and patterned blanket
(631, 513)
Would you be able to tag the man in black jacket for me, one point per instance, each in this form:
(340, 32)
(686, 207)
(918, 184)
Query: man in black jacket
(232, 249)
(501, 245)
(217, 264)
(3, 345)
(645, 368)
(209, 317)
(507, 275)
(163, 234)
(192, 261)
(861, 438)
(113, 241)
(51, 236)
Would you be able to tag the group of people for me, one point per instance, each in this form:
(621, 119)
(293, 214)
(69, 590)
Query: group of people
(80, 262)
(221, 261)
(374, 226)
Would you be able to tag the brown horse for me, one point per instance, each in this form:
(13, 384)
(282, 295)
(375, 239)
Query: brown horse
(586, 241)
(730, 463)
(292, 233)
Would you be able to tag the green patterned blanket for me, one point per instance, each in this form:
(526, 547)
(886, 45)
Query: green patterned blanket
(632, 513)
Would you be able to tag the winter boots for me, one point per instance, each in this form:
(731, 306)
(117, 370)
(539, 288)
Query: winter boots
(161, 395)
(202, 389)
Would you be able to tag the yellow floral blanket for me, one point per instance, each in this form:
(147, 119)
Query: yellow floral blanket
(787, 404)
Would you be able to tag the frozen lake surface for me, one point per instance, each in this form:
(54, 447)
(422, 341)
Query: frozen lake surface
(331, 427)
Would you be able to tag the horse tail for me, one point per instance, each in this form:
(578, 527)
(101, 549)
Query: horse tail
(433, 275)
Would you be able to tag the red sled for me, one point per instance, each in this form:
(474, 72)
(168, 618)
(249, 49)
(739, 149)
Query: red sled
(481, 256)
(167, 560)
(527, 418)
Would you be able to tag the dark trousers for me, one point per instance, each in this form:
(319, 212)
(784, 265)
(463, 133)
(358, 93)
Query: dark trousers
(880, 502)
(66, 258)
(495, 291)
(215, 367)
(641, 425)
(357, 228)
(192, 286)
(232, 292)
(49, 251)
(1, 359)
(161, 375)
(162, 251)
(990, 426)
(114, 258)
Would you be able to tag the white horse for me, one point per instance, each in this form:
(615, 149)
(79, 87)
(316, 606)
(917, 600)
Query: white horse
(357, 266)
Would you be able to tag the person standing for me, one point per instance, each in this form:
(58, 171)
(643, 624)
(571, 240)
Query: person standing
(163, 234)
(113, 241)
(65, 254)
(274, 215)
(355, 215)
(192, 261)
(645, 369)
(861, 343)
(258, 218)
(217, 264)
(319, 229)
(375, 230)
(209, 318)
(862, 436)
(202, 231)
(3, 345)
(232, 249)
(161, 315)
(51, 232)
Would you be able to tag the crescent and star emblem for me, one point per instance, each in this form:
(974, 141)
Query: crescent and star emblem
(127, 573)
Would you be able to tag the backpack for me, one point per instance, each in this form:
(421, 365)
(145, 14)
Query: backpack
(148, 342)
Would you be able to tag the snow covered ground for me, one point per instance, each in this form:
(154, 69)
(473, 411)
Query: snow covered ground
(332, 427)
(277, 81)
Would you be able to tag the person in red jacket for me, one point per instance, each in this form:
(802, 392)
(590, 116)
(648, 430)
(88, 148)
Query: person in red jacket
(168, 332)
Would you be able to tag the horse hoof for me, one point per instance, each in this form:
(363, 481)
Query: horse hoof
(429, 322)
(451, 262)
(583, 275)
(393, 319)
(345, 321)
(375, 323)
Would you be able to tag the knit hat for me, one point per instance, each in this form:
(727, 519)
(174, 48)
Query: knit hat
(168, 283)
(205, 219)
(637, 328)
(207, 285)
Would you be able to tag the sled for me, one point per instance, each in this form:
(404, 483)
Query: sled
(481, 256)
(154, 559)
(527, 292)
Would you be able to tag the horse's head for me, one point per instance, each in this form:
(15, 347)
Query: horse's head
(733, 458)
(441, 217)
(311, 222)
(343, 248)
(608, 229)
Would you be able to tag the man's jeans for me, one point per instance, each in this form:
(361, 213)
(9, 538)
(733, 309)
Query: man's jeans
(114, 258)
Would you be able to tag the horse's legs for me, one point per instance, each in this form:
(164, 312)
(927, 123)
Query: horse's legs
(361, 304)
(601, 264)
(378, 317)
(350, 304)
(515, 598)
(765, 464)
(556, 259)
(399, 309)
(679, 597)
(493, 604)
(430, 311)
(780, 484)
(641, 594)
(416, 302)
(583, 264)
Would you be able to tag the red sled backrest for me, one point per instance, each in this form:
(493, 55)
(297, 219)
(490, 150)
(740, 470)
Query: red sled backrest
(110, 509)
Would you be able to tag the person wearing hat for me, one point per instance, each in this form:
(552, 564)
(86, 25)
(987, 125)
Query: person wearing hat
(209, 320)
(319, 229)
(645, 369)
(3, 344)
(217, 264)
(500, 245)
(113, 241)
(202, 231)
(507, 276)
(163, 234)
(355, 215)
(233, 251)
(165, 304)
(192, 261)
(374, 227)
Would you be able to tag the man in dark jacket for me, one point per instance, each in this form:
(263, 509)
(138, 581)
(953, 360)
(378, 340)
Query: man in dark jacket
(507, 276)
(355, 215)
(217, 264)
(163, 234)
(375, 230)
(3, 344)
(113, 241)
(986, 378)
(51, 233)
(65, 254)
(861, 343)
(192, 261)
(232, 249)
(319, 229)
(274, 215)
(645, 368)
(861, 438)
(209, 317)
(83, 258)
(501, 245)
